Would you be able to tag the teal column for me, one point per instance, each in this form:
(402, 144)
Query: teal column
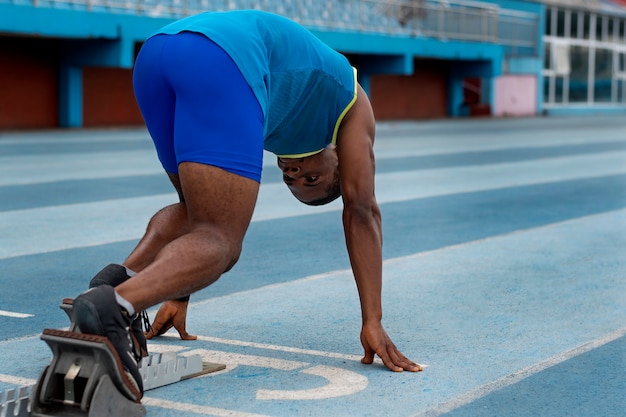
(489, 92)
(455, 97)
(70, 96)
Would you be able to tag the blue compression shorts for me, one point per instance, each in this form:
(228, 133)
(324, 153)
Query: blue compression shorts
(197, 106)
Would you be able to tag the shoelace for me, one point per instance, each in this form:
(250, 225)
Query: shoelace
(146, 321)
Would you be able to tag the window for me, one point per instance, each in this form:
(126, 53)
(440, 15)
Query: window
(579, 76)
(547, 56)
(621, 91)
(603, 75)
(560, 25)
(586, 26)
(601, 28)
(584, 58)
(575, 25)
(610, 35)
(621, 64)
(560, 55)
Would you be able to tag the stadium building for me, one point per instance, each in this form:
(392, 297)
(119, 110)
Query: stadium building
(68, 63)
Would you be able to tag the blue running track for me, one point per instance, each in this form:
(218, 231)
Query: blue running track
(505, 272)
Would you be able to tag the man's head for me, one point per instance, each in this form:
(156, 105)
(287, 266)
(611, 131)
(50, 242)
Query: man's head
(314, 180)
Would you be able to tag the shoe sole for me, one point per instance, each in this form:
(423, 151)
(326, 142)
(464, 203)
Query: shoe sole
(138, 349)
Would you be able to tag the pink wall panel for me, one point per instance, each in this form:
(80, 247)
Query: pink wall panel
(515, 95)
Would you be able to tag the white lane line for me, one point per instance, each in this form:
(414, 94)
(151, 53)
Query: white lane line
(41, 169)
(76, 137)
(518, 376)
(16, 380)
(15, 315)
(618, 216)
(153, 402)
(198, 409)
(278, 348)
(110, 221)
(235, 359)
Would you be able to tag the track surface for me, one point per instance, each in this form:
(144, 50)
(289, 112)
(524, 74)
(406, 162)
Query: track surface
(505, 272)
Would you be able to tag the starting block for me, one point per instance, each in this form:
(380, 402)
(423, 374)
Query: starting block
(86, 378)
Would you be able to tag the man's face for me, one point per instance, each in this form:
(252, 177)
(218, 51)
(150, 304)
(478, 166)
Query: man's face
(310, 179)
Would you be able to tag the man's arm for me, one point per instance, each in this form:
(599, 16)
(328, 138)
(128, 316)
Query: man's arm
(363, 230)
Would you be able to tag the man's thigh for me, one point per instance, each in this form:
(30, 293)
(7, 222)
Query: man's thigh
(218, 199)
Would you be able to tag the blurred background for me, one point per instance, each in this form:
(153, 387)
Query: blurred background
(68, 63)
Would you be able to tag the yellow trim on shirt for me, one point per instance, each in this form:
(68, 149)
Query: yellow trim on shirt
(348, 107)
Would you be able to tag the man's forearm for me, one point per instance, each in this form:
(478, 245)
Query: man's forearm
(363, 233)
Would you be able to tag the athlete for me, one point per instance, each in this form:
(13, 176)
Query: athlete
(215, 89)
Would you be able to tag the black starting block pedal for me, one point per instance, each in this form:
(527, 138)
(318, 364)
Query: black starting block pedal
(85, 378)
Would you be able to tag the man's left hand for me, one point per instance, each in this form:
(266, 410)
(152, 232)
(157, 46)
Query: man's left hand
(375, 341)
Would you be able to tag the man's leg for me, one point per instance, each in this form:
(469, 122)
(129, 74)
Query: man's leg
(196, 110)
(165, 226)
(219, 207)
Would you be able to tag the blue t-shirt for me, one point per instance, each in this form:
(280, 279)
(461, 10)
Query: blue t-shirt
(304, 87)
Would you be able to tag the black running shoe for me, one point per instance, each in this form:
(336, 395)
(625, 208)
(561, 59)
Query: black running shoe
(96, 312)
(114, 275)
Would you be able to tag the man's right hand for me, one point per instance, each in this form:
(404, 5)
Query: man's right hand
(172, 313)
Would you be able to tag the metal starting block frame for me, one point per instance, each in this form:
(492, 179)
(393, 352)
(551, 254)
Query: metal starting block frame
(15, 402)
(157, 370)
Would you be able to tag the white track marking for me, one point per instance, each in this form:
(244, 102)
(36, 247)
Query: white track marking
(103, 222)
(40, 169)
(16, 380)
(233, 359)
(197, 409)
(340, 383)
(518, 376)
(620, 213)
(279, 348)
(15, 315)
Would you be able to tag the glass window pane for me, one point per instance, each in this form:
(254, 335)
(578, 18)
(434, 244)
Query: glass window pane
(560, 25)
(549, 21)
(600, 22)
(574, 25)
(621, 87)
(546, 89)
(610, 31)
(547, 56)
(558, 91)
(578, 83)
(586, 26)
(603, 75)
